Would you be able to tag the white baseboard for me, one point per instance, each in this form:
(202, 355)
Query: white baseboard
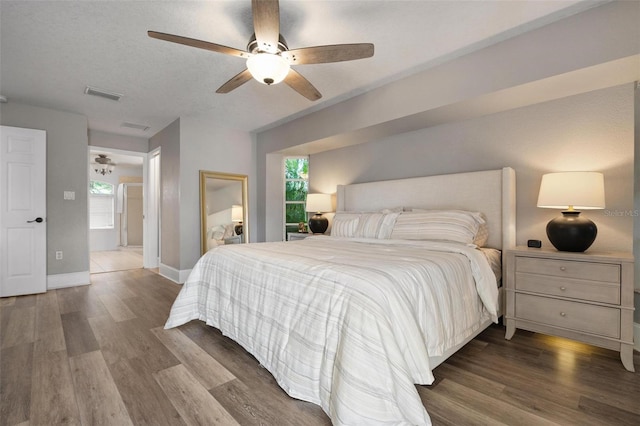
(636, 336)
(72, 279)
(173, 274)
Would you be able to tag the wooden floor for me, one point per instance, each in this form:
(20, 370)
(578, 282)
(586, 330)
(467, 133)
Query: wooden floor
(123, 259)
(98, 355)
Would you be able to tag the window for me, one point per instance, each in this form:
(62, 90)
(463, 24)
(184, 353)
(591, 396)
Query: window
(101, 205)
(296, 186)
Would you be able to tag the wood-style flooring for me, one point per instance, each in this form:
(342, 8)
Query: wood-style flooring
(122, 259)
(98, 355)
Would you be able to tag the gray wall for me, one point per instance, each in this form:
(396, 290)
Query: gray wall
(188, 145)
(207, 145)
(126, 143)
(67, 221)
(592, 131)
(552, 62)
(168, 140)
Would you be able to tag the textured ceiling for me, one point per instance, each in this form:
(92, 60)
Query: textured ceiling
(50, 51)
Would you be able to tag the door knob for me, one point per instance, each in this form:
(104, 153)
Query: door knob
(37, 219)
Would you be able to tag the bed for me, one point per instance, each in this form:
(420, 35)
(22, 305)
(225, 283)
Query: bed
(353, 321)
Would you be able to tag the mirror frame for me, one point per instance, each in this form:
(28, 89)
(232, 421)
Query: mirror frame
(204, 175)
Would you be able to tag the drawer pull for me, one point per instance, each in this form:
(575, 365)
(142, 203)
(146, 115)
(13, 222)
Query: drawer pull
(562, 314)
(563, 268)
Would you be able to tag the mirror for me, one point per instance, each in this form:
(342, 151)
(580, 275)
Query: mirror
(223, 209)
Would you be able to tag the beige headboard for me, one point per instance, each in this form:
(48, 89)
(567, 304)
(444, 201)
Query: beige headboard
(492, 192)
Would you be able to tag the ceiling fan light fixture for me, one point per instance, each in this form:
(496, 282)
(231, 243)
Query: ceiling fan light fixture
(268, 68)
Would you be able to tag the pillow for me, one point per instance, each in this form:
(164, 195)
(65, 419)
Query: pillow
(369, 225)
(386, 227)
(344, 224)
(483, 234)
(451, 225)
(217, 232)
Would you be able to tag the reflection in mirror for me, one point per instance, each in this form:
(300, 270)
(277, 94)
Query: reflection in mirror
(223, 209)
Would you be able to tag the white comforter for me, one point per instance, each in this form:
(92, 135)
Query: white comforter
(347, 324)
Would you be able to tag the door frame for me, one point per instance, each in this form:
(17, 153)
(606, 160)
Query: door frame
(151, 204)
(148, 243)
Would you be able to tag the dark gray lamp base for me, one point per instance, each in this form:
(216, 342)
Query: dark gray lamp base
(318, 224)
(571, 232)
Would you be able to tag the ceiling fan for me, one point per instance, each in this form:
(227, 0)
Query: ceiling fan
(268, 57)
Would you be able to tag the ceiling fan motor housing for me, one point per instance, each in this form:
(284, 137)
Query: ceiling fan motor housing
(254, 47)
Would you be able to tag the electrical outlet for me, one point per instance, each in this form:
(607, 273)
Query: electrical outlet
(58, 255)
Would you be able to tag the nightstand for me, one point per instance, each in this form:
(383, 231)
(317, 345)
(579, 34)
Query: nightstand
(235, 239)
(294, 236)
(581, 296)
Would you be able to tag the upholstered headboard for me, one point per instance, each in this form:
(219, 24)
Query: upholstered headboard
(491, 192)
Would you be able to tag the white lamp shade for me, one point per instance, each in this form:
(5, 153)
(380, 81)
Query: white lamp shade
(579, 190)
(319, 203)
(268, 68)
(236, 213)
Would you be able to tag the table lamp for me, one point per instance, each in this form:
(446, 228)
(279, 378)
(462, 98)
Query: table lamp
(318, 204)
(237, 215)
(571, 191)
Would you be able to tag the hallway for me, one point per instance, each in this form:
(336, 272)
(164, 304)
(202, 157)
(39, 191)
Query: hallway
(123, 259)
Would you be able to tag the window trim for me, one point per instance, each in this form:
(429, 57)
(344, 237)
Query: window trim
(284, 193)
(111, 196)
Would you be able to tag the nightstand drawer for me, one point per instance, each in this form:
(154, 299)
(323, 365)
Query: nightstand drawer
(577, 316)
(570, 269)
(593, 291)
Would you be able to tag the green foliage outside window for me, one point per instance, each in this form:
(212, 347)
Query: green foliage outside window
(296, 187)
(97, 187)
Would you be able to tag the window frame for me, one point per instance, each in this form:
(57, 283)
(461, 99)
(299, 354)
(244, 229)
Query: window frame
(285, 180)
(98, 196)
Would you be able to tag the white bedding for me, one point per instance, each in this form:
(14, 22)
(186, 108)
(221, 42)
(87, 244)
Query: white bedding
(348, 324)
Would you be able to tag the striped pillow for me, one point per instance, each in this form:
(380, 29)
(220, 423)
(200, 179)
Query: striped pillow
(344, 224)
(369, 225)
(451, 225)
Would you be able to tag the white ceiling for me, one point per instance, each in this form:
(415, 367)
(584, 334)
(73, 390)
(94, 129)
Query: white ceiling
(51, 50)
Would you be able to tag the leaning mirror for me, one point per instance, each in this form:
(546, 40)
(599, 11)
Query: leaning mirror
(223, 209)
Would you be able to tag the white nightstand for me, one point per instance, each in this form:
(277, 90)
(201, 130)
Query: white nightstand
(236, 239)
(294, 236)
(581, 296)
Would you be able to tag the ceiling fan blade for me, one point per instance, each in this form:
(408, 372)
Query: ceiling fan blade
(199, 44)
(235, 82)
(330, 53)
(301, 85)
(266, 24)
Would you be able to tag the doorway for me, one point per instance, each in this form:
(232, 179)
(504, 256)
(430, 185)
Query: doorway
(116, 210)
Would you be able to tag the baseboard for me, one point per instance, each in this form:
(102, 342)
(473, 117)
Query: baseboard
(72, 279)
(636, 336)
(173, 274)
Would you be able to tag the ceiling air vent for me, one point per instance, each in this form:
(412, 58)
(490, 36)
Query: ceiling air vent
(135, 126)
(102, 93)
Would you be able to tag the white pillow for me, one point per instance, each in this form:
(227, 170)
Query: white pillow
(344, 224)
(386, 228)
(217, 232)
(451, 225)
(369, 225)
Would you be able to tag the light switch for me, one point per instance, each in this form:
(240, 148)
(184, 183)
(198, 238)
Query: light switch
(69, 195)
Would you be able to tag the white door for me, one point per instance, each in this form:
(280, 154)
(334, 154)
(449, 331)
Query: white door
(23, 226)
